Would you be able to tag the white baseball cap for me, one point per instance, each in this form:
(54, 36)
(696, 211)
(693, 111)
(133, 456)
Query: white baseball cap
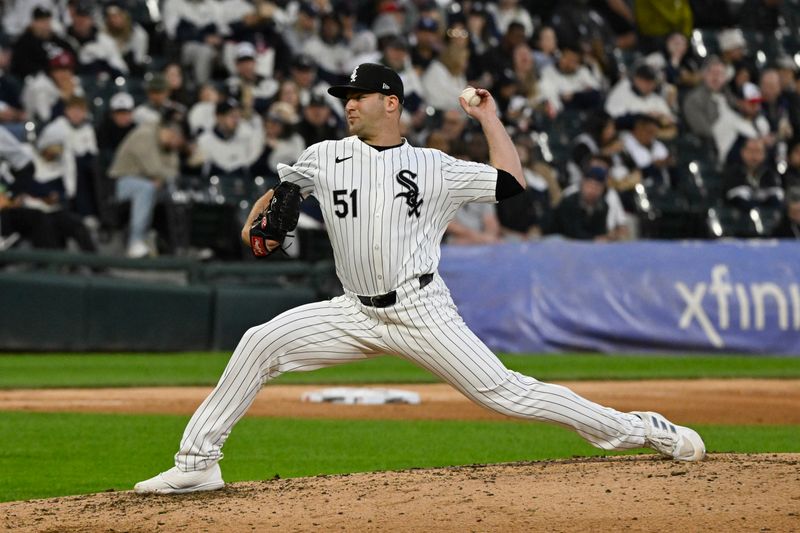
(121, 102)
(245, 50)
(751, 93)
(731, 39)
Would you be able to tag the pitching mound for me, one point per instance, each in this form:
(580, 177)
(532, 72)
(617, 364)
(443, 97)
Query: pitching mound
(641, 493)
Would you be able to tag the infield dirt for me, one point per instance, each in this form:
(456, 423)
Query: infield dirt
(725, 492)
(642, 493)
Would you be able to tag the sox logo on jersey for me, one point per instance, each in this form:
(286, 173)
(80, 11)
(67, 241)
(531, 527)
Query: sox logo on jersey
(404, 178)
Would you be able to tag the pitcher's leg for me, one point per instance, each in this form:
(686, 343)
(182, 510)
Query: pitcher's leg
(306, 338)
(450, 350)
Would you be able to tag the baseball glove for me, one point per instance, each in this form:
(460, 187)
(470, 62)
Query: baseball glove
(279, 218)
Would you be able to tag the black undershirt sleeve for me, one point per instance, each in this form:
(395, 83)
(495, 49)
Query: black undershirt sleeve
(507, 185)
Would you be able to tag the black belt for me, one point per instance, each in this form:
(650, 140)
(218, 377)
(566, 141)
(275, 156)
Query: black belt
(390, 298)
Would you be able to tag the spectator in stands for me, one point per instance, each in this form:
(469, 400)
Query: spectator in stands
(179, 90)
(474, 223)
(680, 67)
(787, 70)
(41, 228)
(445, 78)
(157, 102)
(96, 52)
(527, 79)
(751, 182)
(318, 122)
(780, 108)
(252, 90)
(202, 115)
(748, 123)
(303, 29)
(650, 164)
(19, 161)
(600, 138)
(656, 19)
(525, 216)
(18, 15)
(711, 101)
(34, 49)
(12, 115)
(394, 54)
(233, 144)
(649, 155)
(80, 143)
(789, 225)
(482, 28)
(146, 162)
(620, 18)
(21, 223)
(303, 72)
(638, 95)
(328, 47)
(289, 93)
(282, 144)
(258, 26)
(791, 176)
(195, 26)
(733, 49)
(546, 51)
(130, 39)
(453, 126)
(590, 210)
(115, 126)
(569, 84)
(52, 189)
(426, 43)
(507, 12)
(45, 93)
(360, 40)
(500, 57)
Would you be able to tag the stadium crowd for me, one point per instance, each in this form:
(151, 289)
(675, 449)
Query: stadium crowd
(159, 122)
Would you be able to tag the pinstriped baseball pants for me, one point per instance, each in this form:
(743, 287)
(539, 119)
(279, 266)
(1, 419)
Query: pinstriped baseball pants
(423, 327)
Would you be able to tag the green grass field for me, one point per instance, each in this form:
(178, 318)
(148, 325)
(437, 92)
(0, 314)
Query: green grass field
(54, 454)
(127, 370)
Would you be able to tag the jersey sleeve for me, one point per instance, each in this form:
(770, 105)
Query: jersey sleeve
(469, 181)
(303, 172)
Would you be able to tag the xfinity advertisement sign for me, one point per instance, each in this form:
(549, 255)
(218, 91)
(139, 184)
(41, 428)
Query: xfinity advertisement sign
(556, 295)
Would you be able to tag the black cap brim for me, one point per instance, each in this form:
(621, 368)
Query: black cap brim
(340, 91)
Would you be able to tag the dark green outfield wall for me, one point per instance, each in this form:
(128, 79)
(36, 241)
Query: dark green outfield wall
(205, 307)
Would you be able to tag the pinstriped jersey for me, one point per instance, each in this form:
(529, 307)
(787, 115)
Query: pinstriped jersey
(386, 210)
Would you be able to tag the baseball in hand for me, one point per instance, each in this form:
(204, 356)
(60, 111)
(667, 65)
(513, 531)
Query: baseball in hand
(470, 95)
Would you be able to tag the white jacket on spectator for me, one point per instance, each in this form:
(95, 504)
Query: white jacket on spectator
(201, 117)
(554, 84)
(144, 114)
(200, 14)
(332, 58)
(101, 49)
(441, 88)
(12, 150)
(623, 100)
(730, 125)
(17, 15)
(137, 44)
(40, 94)
(643, 156)
(239, 151)
(80, 141)
(286, 151)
